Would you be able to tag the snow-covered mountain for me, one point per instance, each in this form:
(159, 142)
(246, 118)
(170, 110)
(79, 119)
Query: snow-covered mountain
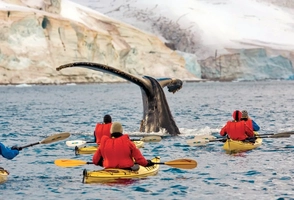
(37, 36)
(187, 39)
(230, 39)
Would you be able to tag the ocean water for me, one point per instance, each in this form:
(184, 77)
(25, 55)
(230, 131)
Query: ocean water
(29, 114)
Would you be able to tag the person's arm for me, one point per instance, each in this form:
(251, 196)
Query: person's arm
(8, 153)
(223, 131)
(97, 158)
(249, 132)
(255, 126)
(137, 155)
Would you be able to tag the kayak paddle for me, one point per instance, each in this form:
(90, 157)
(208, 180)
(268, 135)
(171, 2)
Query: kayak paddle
(183, 163)
(282, 133)
(198, 140)
(278, 135)
(50, 139)
(74, 143)
(202, 142)
(70, 163)
(152, 138)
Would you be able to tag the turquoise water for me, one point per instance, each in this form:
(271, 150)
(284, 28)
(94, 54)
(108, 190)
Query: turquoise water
(30, 114)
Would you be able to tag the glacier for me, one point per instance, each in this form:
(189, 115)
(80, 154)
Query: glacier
(195, 40)
(226, 39)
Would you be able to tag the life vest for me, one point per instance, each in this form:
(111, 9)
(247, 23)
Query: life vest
(237, 130)
(100, 130)
(120, 152)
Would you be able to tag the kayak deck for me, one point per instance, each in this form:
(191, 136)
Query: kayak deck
(92, 149)
(112, 174)
(234, 146)
(3, 175)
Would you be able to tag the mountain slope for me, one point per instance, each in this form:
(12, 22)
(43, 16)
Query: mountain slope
(230, 39)
(38, 36)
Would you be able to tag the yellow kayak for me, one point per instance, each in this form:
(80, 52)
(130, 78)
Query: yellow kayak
(234, 146)
(3, 175)
(112, 174)
(92, 149)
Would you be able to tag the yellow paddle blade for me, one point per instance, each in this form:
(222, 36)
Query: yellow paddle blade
(69, 163)
(55, 138)
(184, 163)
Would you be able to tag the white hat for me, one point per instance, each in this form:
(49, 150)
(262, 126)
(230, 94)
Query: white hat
(116, 127)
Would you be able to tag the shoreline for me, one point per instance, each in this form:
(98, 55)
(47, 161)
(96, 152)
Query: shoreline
(122, 82)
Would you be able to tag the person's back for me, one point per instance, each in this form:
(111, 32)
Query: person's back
(118, 151)
(249, 122)
(102, 129)
(237, 130)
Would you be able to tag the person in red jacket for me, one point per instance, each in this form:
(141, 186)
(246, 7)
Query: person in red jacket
(102, 129)
(237, 129)
(119, 151)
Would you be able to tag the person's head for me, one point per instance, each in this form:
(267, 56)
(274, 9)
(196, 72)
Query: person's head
(244, 114)
(116, 127)
(237, 115)
(107, 119)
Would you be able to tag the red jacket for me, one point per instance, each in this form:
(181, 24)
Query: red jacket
(249, 123)
(237, 130)
(118, 153)
(100, 130)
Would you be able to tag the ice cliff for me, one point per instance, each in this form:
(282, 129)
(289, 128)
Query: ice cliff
(38, 36)
(188, 39)
(221, 39)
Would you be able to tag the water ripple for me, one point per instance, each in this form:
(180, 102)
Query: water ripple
(30, 114)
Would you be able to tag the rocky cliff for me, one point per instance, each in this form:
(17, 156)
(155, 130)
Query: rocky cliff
(38, 36)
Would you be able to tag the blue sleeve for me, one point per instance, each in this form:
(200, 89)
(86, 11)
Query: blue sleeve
(8, 153)
(255, 126)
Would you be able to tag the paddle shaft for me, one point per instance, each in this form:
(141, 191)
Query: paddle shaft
(183, 163)
(155, 163)
(89, 142)
(259, 136)
(29, 145)
(161, 163)
(50, 139)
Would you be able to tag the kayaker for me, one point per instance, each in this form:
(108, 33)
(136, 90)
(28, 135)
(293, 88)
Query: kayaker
(249, 122)
(237, 129)
(102, 129)
(119, 151)
(9, 153)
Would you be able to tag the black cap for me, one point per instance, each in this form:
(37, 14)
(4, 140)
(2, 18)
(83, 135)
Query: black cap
(107, 119)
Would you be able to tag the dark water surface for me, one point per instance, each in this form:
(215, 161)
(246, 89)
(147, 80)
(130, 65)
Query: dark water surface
(29, 114)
